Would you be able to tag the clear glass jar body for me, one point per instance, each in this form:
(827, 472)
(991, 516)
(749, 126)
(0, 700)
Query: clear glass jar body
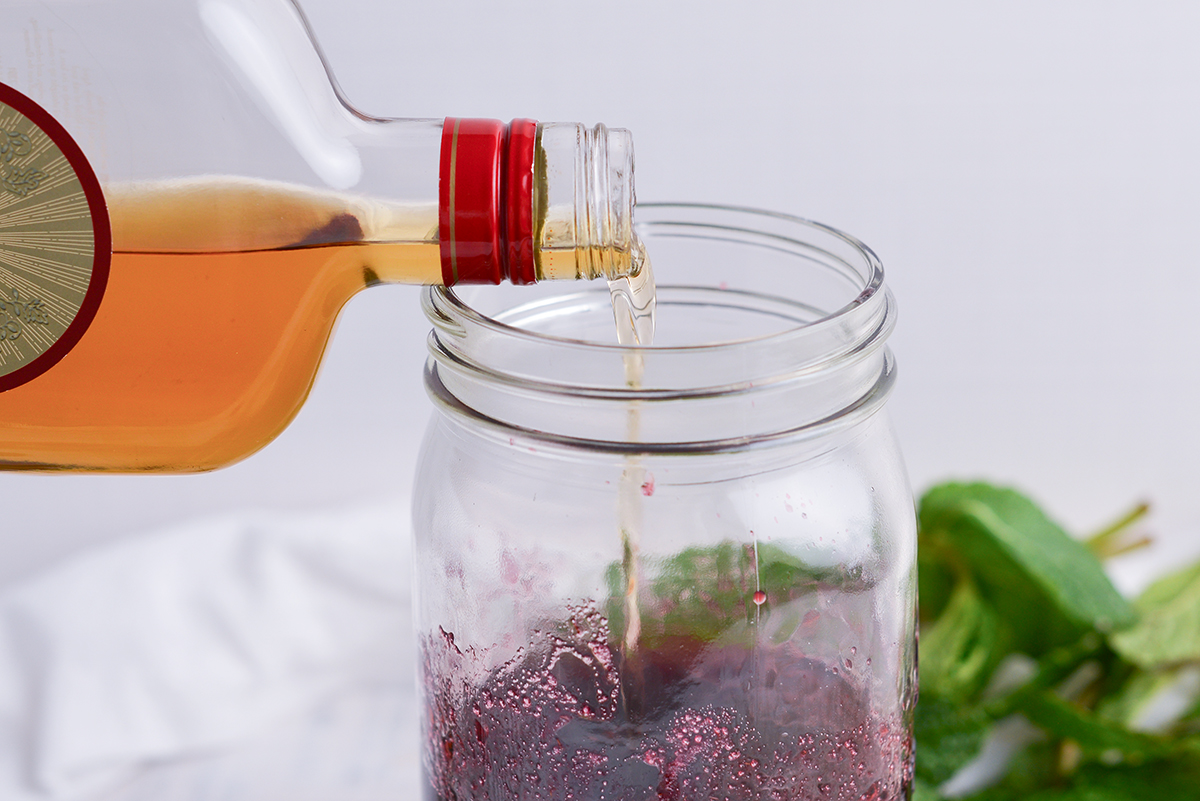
(684, 571)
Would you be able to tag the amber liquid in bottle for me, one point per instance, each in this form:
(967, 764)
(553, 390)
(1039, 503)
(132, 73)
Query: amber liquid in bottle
(220, 300)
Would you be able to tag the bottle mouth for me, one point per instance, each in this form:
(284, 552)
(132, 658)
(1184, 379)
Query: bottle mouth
(770, 327)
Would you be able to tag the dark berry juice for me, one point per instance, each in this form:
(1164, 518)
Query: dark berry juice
(682, 720)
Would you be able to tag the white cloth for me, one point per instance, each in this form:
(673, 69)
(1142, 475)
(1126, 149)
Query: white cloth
(191, 639)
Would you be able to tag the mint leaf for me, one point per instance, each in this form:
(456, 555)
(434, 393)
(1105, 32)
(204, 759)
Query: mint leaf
(1097, 736)
(961, 649)
(948, 735)
(1046, 585)
(1152, 700)
(1176, 780)
(924, 792)
(1167, 589)
(1031, 769)
(936, 579)
(1168, 632)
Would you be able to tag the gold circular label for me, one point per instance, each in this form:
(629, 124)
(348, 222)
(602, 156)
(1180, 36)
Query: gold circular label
(55, 245)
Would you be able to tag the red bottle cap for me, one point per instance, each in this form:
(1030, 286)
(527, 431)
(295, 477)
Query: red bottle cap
(522, 136)
(485, 215)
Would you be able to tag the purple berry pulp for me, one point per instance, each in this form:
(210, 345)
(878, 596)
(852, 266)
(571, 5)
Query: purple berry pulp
(571, 717)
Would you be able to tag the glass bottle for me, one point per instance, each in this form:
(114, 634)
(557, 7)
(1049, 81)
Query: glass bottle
(680, 571)
(187, 201)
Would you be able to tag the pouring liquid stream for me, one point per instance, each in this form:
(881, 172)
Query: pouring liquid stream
(633, 304)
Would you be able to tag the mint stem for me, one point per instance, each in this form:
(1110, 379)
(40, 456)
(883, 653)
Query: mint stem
(1111, 540)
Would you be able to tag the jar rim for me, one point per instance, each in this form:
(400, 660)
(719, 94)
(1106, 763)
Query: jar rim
(443, 299)
(811, 297)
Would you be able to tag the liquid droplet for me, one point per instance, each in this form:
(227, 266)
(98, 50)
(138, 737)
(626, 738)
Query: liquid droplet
(760, 597)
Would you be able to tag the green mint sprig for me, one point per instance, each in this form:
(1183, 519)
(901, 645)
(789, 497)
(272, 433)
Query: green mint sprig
(1002, 584)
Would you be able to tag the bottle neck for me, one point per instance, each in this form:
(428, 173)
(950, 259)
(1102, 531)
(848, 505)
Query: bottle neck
(527, 202)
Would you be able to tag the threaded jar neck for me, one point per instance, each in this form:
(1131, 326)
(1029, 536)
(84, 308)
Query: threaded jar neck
(771, 329)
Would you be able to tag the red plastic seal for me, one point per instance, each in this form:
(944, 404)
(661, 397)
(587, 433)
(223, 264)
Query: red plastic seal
(522, 136)
(485, 214)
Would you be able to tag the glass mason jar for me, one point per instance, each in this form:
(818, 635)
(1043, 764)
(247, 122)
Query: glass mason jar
(679, 571)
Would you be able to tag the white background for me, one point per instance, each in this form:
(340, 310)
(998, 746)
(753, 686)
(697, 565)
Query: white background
(1028, 175)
